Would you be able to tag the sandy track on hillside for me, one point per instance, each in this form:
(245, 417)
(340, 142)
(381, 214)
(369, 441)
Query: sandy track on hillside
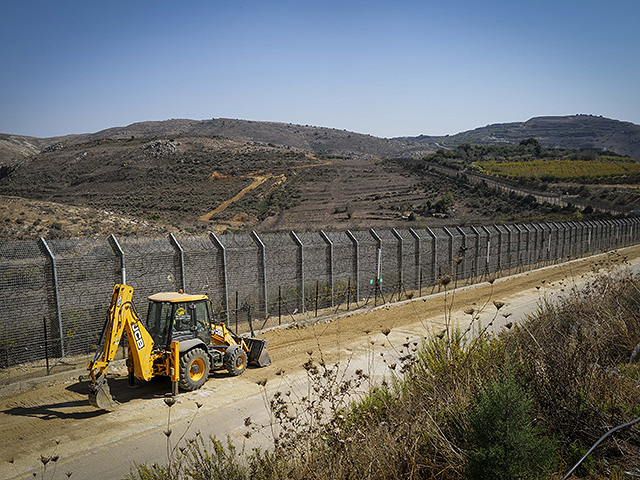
(32, 421)
(257, 180)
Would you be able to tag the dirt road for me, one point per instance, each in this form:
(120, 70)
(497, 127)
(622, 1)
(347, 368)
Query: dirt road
(56, 419)
(257, 180)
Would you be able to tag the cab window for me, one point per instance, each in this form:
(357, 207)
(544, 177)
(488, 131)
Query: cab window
(202, 316)
(158, 321)
(183, 318)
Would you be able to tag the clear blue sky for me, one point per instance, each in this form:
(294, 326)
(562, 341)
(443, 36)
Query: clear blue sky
(387, 68)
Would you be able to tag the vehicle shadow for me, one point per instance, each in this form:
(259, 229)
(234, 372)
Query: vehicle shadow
(122, 392)
(76, 410)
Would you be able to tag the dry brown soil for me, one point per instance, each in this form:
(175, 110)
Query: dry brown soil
(22, 218)
(58, 409)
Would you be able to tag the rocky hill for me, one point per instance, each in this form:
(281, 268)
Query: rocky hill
(316, 140)
(574, 131)
(220, 173)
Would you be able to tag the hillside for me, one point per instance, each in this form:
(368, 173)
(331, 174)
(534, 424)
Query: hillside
(316, 140)
(600, 180)
(14, 148)
(216, 174)
(195, 183)
(574, 131)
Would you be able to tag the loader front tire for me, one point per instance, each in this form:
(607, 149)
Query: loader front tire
(235, 361)
(194, 369)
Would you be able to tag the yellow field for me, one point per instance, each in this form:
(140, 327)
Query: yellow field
(560, 169)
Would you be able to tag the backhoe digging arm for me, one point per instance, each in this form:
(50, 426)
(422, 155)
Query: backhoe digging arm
(121, 318)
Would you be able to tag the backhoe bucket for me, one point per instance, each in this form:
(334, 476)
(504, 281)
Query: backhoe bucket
(258, 354)
(100, 395)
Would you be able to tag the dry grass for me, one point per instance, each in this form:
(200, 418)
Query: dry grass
(571, 359)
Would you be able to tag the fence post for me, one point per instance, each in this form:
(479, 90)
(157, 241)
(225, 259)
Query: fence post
(434, 255)
(619, 233)
(625, 232)
(400, 260)
(488, 256)
(608, 234)
(568, 238)
(590, 226)
(565, 242)
(528, 249)
(216, 241)
(300, 245)
(236, 310)
(317, 290)
(558, 246)
(475, 272)
(602, 235)
(527, 244)
(563, 245)
(519, 261)
(174, 242)
(378, 240)
(573, 233)
(597, 240)
(577, 238)
(54, 270)
(46, 344)
(330, 245)
(499, 247)
(263, 257)
(537, 243)
(450, 249)
(583, 229)
(509, 240)
(417, 239)
(118, 249)
(356, 262)
(552, 228)
(463, 251)
(279, 304)
(544, 241)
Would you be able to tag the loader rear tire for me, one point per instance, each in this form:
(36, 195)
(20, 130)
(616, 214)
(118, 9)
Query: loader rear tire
(194, 369)
(235, 361)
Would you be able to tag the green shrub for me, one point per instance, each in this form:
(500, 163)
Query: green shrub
(504, 444)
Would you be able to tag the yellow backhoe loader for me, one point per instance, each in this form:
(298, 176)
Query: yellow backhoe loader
(179, 341)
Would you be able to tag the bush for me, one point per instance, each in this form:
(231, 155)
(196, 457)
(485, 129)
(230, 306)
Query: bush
(504, 444)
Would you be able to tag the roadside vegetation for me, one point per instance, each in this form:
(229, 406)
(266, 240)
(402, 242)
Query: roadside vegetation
(525, 402)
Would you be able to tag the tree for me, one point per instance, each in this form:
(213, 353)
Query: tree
(532, 144)
(504, 442)
(443, 203)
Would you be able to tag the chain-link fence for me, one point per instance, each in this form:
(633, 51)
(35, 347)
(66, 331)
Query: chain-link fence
(54, 294)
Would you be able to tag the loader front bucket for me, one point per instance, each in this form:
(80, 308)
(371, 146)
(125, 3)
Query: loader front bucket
(258, 354)
(100, 395)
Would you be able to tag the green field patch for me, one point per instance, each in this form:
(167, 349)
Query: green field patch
(559, 169)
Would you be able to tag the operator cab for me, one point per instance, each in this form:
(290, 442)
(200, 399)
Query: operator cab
(174, 316)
